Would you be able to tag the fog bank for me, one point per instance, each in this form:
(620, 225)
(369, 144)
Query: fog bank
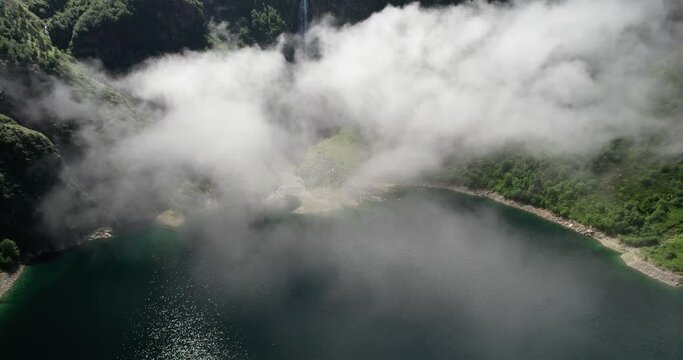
(558, 77)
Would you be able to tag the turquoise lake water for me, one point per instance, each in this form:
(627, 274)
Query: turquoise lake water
(427, 274)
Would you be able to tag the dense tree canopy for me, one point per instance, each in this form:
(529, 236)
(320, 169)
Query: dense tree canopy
(29, 168)
(626, 190)
(267, 24)
(23, 39)
(9, 254)
(124, 32)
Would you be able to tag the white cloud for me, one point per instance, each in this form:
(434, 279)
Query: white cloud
(560, 76)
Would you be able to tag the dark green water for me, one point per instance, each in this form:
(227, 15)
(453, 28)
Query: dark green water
(427, 275)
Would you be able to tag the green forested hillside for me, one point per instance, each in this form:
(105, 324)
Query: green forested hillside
(239, 12)
(124, 32)
(62, 21)
(44, 8)
(626, 191)
(29, 168)
(30, 163)
(23, 40)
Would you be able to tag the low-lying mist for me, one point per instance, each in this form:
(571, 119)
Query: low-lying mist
(423, 275)
(421, 85)
(213, 134)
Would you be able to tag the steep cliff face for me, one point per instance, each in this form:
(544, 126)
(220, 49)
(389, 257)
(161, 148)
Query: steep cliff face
(23, 40)
(29, 168)
(33, 142)
(124, 32)
(60, 25)
(119, 32)
(44, 8)
(29, 164)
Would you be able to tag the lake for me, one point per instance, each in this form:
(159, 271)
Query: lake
(426, 274)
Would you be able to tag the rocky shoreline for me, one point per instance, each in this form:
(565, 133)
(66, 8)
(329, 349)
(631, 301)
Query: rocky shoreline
(313, 201)
(630, 255)
(7, 280)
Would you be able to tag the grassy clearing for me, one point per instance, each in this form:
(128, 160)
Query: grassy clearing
(333, 160)
(668, 254)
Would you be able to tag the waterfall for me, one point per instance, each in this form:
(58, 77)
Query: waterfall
(303, 16)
